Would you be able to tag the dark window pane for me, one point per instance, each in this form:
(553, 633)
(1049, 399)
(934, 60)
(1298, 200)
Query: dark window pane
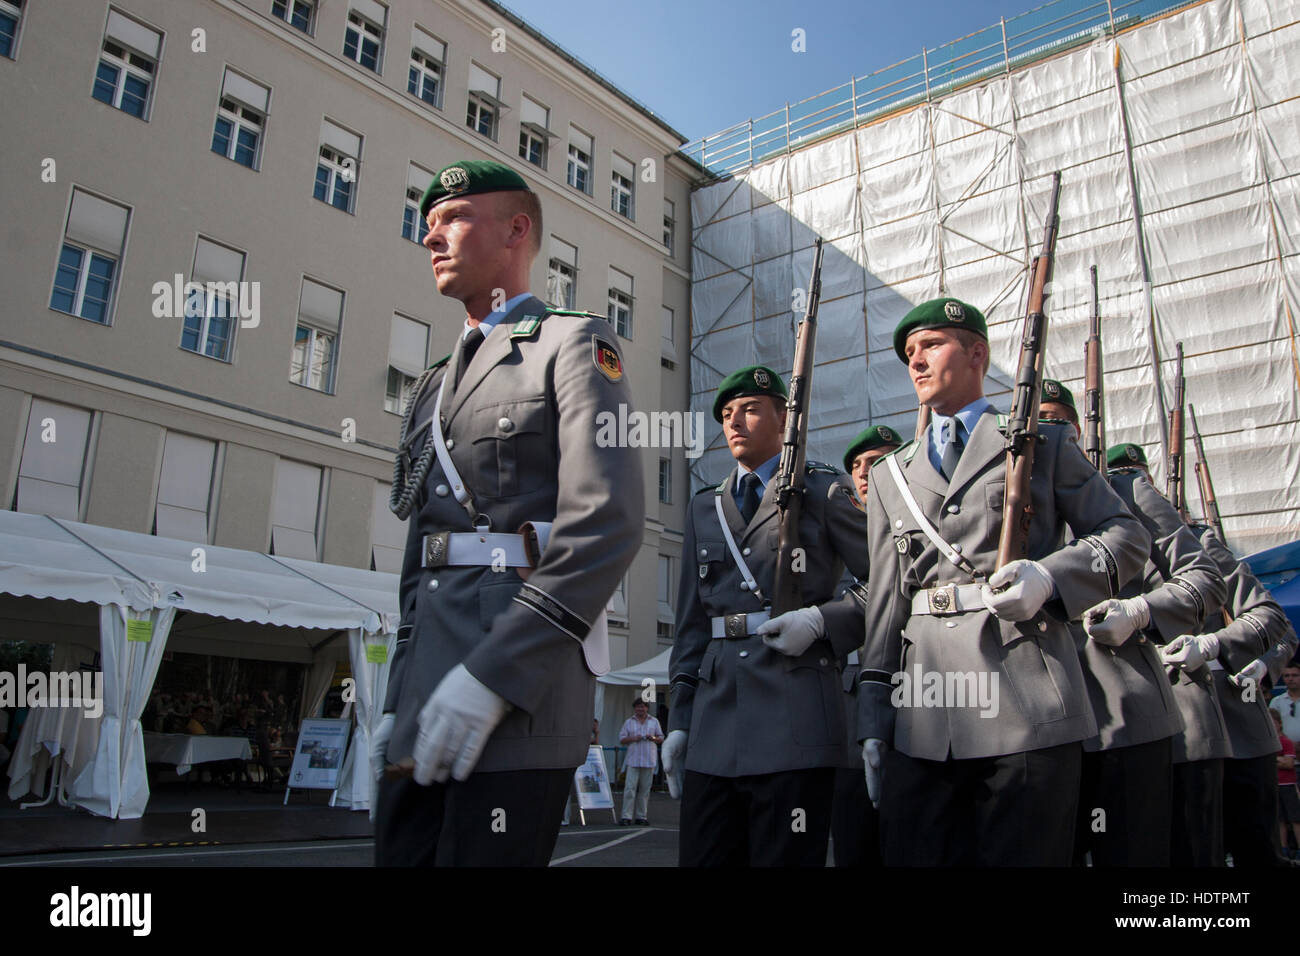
(342, 193)
(218, 337)
(134, 93)
(246, 148)
(413, 81)
(350, 44)
(221, 137)
(370, 54)
(8, 27)
(322, 184)
(408, 223)
(190, 335)
(105, 83)
(302, 17)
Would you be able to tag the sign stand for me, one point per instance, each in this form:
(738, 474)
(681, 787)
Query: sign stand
(318, 756)
(592, 785)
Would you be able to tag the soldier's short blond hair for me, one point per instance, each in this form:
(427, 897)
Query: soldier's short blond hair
(969, 340)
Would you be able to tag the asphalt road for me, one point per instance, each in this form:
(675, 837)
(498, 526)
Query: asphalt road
(603, 845)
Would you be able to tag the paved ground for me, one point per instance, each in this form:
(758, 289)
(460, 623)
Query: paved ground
(254, 829)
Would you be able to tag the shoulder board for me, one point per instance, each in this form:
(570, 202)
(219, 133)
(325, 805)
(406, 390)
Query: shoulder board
(1002, 421)
(820, 467)
(442, 361)
(527, 327)
(909, 447)
(719, 489)
(578, 313)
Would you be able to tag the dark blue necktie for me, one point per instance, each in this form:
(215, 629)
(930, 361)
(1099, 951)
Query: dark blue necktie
(749, 497)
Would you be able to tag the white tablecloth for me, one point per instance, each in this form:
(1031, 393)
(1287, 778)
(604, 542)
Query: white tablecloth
(185, 750)
(49, 733)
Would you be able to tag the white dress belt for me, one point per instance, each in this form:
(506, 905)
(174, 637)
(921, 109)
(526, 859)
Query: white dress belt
(738, 625)
(949, 599)
(457, 548)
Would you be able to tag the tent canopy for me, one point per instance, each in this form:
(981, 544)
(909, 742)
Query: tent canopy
(656, 668)
(44, 557)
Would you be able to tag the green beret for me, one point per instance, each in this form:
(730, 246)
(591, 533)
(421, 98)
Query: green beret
(939, 314)
(877, 436)
(1054, 391)
(754, 380)
(1127, 455)
(467, 178)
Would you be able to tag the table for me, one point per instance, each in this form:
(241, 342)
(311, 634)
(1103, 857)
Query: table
(59, 741)
(185, 750)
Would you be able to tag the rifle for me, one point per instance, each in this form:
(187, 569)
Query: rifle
(1176, 486)
(1022, 429)
(787, 594)
(1094, 432)
(1209, 503)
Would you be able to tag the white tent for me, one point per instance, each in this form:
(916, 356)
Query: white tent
(614, 708)
(143, 586)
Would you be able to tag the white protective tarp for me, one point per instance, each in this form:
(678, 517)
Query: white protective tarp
(1179, 146)
(371, 656)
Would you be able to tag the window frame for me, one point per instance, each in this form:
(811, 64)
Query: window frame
(291, 8)
(83, 278)
(578, 160)
(336, 170)
(360, 28)
(411, 206)
(239, 122)
(423, 63)
(316, 333)
(125, 68)
(665, 481)
(14, 10)
(210, 298)
(559, 267)
(670, 227)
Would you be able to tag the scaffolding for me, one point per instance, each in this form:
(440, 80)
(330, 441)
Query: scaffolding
(1179, 144)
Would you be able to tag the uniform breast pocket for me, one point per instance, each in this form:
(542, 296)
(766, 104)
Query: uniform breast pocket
(513, 451)
(709, 563)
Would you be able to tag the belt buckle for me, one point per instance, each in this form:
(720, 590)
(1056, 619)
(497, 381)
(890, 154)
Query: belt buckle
(436, 546)
(736, 625)
(943, 599)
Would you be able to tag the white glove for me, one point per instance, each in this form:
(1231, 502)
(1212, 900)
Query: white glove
(1190, 651)
(1016, 591)
(1252, 674)
(379, 745)
(873, 761)
(1114, 621)
(793, 632)
(673, 753)
(455, 726)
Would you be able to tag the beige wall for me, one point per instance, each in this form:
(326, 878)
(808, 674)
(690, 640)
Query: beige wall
(133, 372)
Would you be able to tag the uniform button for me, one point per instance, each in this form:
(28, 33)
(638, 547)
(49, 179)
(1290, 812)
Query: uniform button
(704, 553)
(451, 443)
(505, 424)
(442, 491)
(950, 623)
(898, 523)
(822, 662)
(433, 584)
(744, 585)
(957, 548)
(745, 552)
(744, 653)
(953, 509)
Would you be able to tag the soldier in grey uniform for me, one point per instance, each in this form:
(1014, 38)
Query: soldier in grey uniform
(1199, 749)
(855, 823)
(757, 722)
(507, 568)
(980, 763)
(1126, 801)
(1244, 658)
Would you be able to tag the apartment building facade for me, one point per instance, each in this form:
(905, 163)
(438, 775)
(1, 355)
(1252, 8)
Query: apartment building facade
(217, 296)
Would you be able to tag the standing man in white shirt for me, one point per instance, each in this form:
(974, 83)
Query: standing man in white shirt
(641, 735)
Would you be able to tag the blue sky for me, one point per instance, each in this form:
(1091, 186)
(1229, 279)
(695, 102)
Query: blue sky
(703, 65)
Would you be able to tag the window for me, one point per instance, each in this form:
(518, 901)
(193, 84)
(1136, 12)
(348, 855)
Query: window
(664, 632)
(428, 61)
(668, 344)
(295, 511)
(210, 314)
(54, 460)
(85, 276)
(241, 117)
(561, 274)
(579, 173)
(185, 488)
(414, 226)
(665, 481)
(363, 39)
(616, 607)
(484, 102)
(620, 186)
(297, 13)
(315, 340)
(387, 533)
(336, 170)
(127, 63)
(620, 302)
(10, 14)
(670, 224)
(534, 132)
(664, 599)
(408, 355)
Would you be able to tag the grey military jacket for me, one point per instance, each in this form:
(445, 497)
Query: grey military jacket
(1259, 629)
(527, 402)
(1128, 686)
(1042, 701)
(750, 709)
